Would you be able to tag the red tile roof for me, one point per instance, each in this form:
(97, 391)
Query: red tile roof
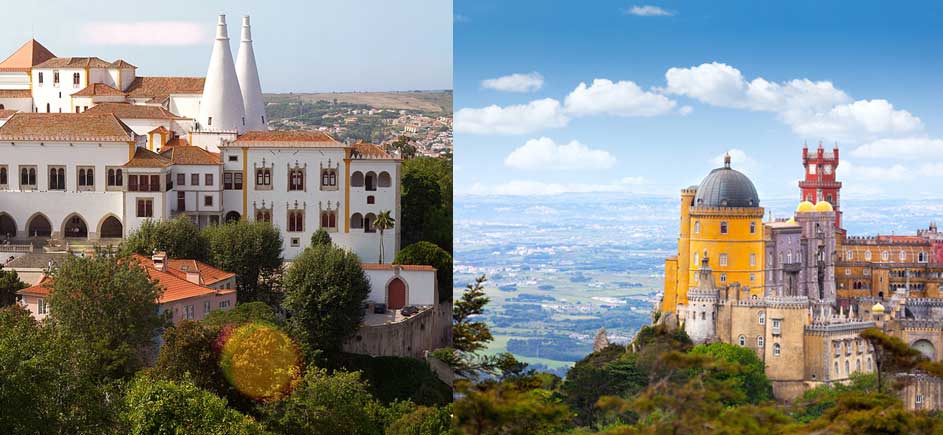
(133, 111)
(28, 55)
(120, 63)
(16, 93)
(145, 158)
(190, 155)
(159, 129)
(90, 127)
(73, 62)
(6, 113)
(41, 288)
(162, 87)
(369, 150)
(293, 138)
(175, 283)
(98, 90)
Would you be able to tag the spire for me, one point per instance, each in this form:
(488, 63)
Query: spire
(221, 108)
(727, 160)
(249, 83)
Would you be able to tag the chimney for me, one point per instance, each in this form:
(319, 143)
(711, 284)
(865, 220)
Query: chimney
(221, 107)
(249, 84)
(193, 272)
(160, 261)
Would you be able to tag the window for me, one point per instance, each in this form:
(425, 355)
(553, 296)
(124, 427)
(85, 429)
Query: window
(903, 256)
(263, 178)
(181, 179)
(145, 208)
(208, 200)
(849, 255)
(76, 109)
(208, 179)
(144, 183)
(752, 276)
(777, 349)
(181, 201)
(812, 168)
(760, 341)
(752, 259)
(723, 259)
(41, 306)
(869, 364)
(328, 178)
(27, 177)
(723, 277)
(223, 304)
(789, 257)
(296, 179)
(296, 221)
(848, 272)
(115, 177)
(918, 399)
(884, 255)
(371, 199)
(40, 79)
(188, 311)
(752, 227)
(194, 179)
(923, 257)
(56, 178)
(697, 227)
(295, 242)
(777, 325)
(263, 215)
(867, 255)
(206, 307)
(723, 227)
(233, 158)
(75, 80)
(3, 175)
(370, 181)
(696, 262)
(329, 219)
(209, 121)
(847, 367)
(762, 318)
(86, 179)
(742, 340)
(55, 78)
(232, 180)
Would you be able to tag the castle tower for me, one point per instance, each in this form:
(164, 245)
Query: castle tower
(819, 183)
(249, 83)
(701, 315)
(221, 108)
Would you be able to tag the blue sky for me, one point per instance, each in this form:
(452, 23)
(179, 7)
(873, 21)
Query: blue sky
(668, 87)
(361, 45)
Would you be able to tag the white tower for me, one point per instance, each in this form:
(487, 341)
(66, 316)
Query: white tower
(221, 108)
(249, 82)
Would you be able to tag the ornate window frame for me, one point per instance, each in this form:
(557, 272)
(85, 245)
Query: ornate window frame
(82, 184)
(295, 223)
(330, 214)
(327, 176)
(302, 171)
(263, 176)
(263, 213)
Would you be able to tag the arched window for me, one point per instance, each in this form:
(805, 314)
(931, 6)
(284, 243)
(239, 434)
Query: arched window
(296, 179)
(836, 369)
(847, 368)
(885, 256)
(384, 179)
(370, 181)
(56, 178)
(696, 260)
(115, 177)
(723, 227)
(762, 318)
(752, 227)
(263, 215)
(75, 79)
(3, 175)
(858, 365)
(723, 277)
(368, 221)
(742, 340)
(922, 257)
(356, 179)
(867, 255)
(329, 219)
(777, 349)
(697, 227)
(48, 108)
(789, 257)
(356, 220)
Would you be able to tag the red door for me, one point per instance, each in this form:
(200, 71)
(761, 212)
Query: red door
(396, 294)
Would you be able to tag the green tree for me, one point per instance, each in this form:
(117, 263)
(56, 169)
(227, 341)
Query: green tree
(519, 407)
(430, 254)
(165, 407)
(751, 376)
(9, 284)
(110, 304)
(608, 372)
(321, 237)
(187, 354)
(324, 293)
(326, 404)
(406, 150)
(251, 250)
(469, 334)
(179, 237)
(383, 222)
(426, 202)
(423, 420)
(240, 314)
(891, 355)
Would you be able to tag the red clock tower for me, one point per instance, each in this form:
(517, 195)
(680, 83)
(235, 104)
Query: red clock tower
(819, 183)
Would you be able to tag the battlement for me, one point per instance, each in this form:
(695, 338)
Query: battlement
(920, 324)
(883, 240)
(745, 212)
(845, 326)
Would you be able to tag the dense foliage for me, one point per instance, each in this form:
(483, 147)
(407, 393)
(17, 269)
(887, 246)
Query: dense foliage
(179, 237)
(426, 202)
(251, 250)
(9, 284)
(429, 254)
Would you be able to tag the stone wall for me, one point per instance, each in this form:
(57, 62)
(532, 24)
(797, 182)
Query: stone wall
(426, 331)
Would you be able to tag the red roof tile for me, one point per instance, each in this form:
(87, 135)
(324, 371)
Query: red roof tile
(190, 155)
(73, 62)
(16, 93)
(293, 138)
(28, 55)
(91, 127)
(41, 288)
(98, 90)
(161, 87)
(133, 111)
(144, 158)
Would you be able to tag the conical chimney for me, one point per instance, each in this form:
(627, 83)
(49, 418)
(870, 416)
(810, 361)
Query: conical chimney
(221, 108)
(249, 83)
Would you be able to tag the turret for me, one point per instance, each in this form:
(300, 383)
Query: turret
(249, 83)
(221, 108)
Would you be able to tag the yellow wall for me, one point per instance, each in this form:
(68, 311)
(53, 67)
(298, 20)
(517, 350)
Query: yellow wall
(738, 244)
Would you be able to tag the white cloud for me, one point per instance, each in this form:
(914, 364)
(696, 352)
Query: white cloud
(648, 11)
(532, 188)
(810, 108)
(145, 33)
(739, 160)
(931, 170)
(908, 148)
(623, 98)
(852, 171)
(685, 110)
(516, 119)
(517, 82)
(544, 153)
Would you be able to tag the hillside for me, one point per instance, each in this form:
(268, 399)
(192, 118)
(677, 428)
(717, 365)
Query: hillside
(432, 102)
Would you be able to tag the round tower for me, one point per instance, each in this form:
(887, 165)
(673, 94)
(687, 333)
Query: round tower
(249, 84)
(221, 108)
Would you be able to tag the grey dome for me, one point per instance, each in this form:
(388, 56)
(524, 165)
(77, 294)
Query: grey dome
(726, 187)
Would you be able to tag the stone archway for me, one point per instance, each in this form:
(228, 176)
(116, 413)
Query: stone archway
(75, 227)
(925, 347)
(111, 228)
(232, 216)
(7, 226)
(396, 294)
(38, 226)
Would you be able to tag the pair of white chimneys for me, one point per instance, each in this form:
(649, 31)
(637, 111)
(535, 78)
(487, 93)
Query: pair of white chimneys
(232, 94)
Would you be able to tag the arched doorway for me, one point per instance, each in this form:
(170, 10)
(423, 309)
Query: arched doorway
(75, 228)
(39, 226)
(232, 217)
(926, 348)
(7, 226)
(396, 294)
(111, 228)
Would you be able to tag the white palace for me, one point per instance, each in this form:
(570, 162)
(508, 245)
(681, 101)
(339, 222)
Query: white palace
(89, 150)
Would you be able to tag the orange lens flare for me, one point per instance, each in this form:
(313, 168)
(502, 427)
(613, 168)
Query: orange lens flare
(261, 361)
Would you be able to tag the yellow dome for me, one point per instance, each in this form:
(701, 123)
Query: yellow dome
(791, 221)
(805, 207)
(823, 206)
(877, 308)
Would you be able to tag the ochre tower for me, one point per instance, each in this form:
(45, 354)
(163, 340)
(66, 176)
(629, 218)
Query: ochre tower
(819, 183)
(720, 218)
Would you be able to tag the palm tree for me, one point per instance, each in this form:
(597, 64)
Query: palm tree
(383, 222)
